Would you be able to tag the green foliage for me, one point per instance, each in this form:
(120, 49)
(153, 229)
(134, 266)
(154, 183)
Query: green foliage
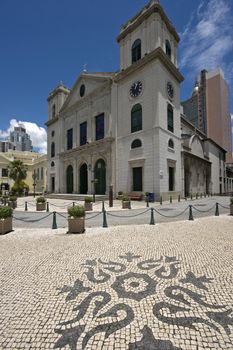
(88, 199)
(40, 200)
(17, 171)
(5, 212)
(78, 211)
(231, 200)
(18, 188)
(12, 198)
(125, 198)
(120, 193)
(146, 194)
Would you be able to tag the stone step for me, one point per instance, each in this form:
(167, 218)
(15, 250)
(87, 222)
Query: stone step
(75, 196)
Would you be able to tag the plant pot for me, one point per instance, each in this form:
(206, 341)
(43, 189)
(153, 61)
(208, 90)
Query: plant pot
(125, 204)
(12, 204)
(40, 206)
(88, 206)
(76, 225)
(5, 225)
(231, 209)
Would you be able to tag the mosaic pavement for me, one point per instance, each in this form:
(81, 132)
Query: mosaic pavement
(166, 287)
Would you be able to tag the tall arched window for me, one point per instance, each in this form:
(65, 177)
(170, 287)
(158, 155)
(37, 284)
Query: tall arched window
(170, 119)
(168, 49)
(52, 149)
(136, 118)
(53, 111)
(136, 51)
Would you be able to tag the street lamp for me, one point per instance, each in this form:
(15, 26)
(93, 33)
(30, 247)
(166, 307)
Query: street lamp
(34, 177)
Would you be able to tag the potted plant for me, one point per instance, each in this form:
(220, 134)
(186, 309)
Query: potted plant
(231, 206)
(5, 219)
(40, 203)
(125, 202)
(120, 195)
(12, 202)
(88, 203)
(76, 219)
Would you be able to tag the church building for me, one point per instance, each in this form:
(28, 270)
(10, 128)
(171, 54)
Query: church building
(125, 128)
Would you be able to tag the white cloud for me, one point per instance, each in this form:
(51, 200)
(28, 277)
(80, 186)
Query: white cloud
(37, 134)
(207, 37)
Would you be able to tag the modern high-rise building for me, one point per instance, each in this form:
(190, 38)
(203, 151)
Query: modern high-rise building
(20, 139)
(209, 109)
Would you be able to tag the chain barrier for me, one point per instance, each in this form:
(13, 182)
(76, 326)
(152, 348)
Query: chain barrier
(170, 216)
(32, 221)
(204, 211)
(94, 216)
(223, 206)
(63, 216)
(127, 216)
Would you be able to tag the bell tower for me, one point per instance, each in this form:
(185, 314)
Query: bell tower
(144, 33)
(56, 100)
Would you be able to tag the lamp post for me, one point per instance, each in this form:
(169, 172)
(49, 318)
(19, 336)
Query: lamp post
(34, 177)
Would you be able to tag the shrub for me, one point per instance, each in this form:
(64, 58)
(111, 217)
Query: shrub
(12, 198)
(231, 200)
(120, 193)
(125, 198)
(88, 199)
(40, 200)
(18, 188)
(77, 211)
(5, 212)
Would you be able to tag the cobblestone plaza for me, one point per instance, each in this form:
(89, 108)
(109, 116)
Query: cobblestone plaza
(167, 286)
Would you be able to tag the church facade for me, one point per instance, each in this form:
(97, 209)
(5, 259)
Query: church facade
(125, 129)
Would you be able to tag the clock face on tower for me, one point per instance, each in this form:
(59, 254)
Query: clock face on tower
(170, 89)
(136, 89)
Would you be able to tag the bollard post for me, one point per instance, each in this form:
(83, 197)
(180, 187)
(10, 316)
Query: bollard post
(73, 204)
(196, 195)
(217, 210)
(179, 198)
(103, 208)
(47, 209)
(161, 200)
(26, 206)
(190, 213)
(147, 201)
(105, 224)
(130, 204)
(191, 196)
(110, 196)
(201, 195)
(54, 226)
(170, 199)
(152, 219)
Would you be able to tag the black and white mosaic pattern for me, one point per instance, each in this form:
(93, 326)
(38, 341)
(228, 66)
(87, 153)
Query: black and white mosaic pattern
(113, 295)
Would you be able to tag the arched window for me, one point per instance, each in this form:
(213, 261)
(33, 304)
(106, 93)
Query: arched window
(168, 49)
(136, 51)
(53, 111)
(52, 149)
(53, 133)
(170, 121)
(171, 143)
(136, 118)
(52, 164)
(136, 143)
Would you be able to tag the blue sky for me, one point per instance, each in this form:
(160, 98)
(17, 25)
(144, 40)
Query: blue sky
(48, 41)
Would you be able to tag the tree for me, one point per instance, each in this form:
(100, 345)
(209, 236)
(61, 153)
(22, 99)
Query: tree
(18, 172)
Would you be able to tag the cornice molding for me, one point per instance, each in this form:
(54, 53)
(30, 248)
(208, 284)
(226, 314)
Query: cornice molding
(52, 121)
(158, 53)
(131, 25)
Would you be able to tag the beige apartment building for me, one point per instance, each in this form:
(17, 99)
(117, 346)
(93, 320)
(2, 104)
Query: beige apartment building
(36, 164)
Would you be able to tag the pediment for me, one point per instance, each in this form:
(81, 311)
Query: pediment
(91, 82)
(196, 146)
(4, 159)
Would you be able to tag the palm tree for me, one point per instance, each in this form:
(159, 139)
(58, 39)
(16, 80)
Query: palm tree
(18, 172)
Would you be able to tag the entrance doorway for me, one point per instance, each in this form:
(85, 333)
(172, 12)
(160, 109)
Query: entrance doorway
(171, 178)
(69, 179)
(100, 176)
(137, 179)
(83, 187)
(53, 184)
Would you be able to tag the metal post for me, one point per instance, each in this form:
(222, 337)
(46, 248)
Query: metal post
(217, 210)
(161, 200)
(130, 204)
(170, 199)
(190, 213)
(147, 201)
(26, 206)
(110, 196)
(105, 224)
(73, 204)
(103, 208)
(47, 206)
(54, 226)
(179, 198)
(152, 219)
